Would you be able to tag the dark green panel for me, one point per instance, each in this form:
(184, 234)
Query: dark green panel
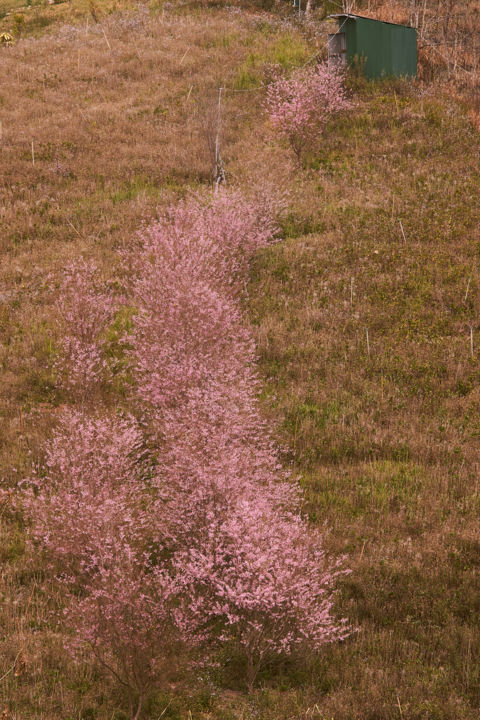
(350, 30)
(384, 48)
(404, 51)
(372, 47)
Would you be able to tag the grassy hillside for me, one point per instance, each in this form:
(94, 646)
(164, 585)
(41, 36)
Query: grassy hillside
(384, 430)
(27, 18)
(366, 317)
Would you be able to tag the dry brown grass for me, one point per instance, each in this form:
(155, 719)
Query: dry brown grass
(99, 126)
(386, 440)
(385, 433)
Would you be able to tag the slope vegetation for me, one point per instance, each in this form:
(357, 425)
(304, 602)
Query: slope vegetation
(366, 321)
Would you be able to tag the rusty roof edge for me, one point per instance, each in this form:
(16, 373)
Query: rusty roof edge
(364, 17)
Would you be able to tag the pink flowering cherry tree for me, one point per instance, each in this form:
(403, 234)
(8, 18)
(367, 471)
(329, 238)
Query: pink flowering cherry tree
(195, 537)
(265, 577)
(90, 508)
(252, 564)
(300, 106)
(88, 489)
(129, 619)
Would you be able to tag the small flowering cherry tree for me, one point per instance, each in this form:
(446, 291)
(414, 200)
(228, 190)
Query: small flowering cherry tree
(90, 509)
(128, 618)
(88, 489)
(300, 106)
(266, 579)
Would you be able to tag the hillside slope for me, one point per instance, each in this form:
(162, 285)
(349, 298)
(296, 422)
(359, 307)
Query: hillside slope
(366, 318)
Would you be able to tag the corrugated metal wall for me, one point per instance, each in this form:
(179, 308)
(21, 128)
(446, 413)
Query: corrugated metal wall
(384, 48)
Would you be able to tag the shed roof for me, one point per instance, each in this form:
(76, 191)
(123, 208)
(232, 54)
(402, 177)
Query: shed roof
(364, 17)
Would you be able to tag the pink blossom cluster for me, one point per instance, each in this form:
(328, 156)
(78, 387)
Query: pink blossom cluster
(181, 528)
(86, 492)
(301, 105)
(85, 309)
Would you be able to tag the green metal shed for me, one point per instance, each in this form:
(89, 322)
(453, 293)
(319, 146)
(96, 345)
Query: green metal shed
(384, 48)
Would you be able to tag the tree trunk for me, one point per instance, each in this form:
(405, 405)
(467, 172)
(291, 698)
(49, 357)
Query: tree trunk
(253, 666)
(136, 715)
